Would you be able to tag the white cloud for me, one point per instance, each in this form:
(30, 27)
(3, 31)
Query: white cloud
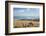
(21, 10)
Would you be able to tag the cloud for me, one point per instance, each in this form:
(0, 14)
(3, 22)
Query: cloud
(21, 10)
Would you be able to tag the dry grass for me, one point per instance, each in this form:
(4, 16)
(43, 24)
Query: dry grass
(25, 23)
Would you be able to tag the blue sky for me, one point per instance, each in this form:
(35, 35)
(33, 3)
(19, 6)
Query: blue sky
(26, 11)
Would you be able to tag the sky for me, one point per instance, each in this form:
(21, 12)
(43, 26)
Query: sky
(26, 11)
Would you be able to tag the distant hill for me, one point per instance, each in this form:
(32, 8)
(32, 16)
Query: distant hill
(31, 19)
(26, 17)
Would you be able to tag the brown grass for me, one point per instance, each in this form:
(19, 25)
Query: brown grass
(25, 23)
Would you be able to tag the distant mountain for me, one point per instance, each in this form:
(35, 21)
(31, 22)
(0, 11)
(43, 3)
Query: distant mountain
(26, 17)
